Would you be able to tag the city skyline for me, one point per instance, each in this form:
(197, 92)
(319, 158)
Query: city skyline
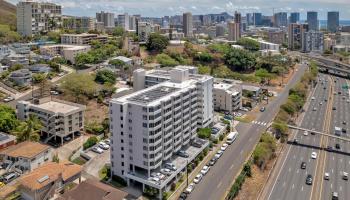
(152, 8)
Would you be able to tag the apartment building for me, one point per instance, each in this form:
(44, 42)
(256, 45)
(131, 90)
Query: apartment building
(312, 41)
(123, 21)
(26, 156)
(144, 29)
(60, 119)
(149, 126)
(68, 52)
(106, 18)
(82, 39)
(234, 31)
(81, 24)
(21, 77)
(4, 51)
(37, 17)
(49, 180)
(187, 24)
(227, 97)
(295, 35)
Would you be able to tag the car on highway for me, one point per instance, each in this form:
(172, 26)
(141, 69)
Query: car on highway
(312, 131)
(198, 178)
(308, 179)
(97, 150)
(313, 155)
(329, 148)
(348, 101)
(262, 109)
(295, 141)
(306, 133)
(343, 130)
(334, 195)
(314, 109)
(321, 103)
(224, 147)
(205, 170)
(313, 98)
(303, 165)
(345, 176)
(326, 176)
(334, 108)
(189, 188)
(337, 146)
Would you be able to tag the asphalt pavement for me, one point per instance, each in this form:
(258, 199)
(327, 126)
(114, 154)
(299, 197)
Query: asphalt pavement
(220, 177)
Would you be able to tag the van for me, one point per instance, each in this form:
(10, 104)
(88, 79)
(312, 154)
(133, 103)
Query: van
(231, 137)
(345, 175)
(8, 178)
(337, 131)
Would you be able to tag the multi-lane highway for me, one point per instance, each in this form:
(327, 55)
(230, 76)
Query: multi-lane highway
(290, 182)
(219, 179)
(338, 161)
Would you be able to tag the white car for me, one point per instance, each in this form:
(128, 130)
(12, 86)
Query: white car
(8, 99)
(165, 171)
(198, 178)
(313, 155)
(321, 103)
(306, 133)
(219, 154)
(190, 188)
(205, 170)
(97, 150)
(313, 98)
(53, 92)
(326, 176)
(224, 147)
(103, 146)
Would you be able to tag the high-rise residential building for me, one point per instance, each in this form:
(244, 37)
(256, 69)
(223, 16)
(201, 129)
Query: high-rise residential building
(249, 19)
(333, 21)
(144, 29)
(123, 21)
(150, 126)
(312, 20)
(238, 19)
(106, 18)
(79, 24)
(294, 17)
(312, 41)
(295, 35)
(234, 31)
(188, 24)
(133, 21)
(257, 19)
(280, 19)
(277, 37)
(220, 30)
(37, 17)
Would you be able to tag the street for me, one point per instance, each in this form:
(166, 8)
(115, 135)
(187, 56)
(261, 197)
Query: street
(218, 181)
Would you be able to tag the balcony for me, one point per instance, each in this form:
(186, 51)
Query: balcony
(177, 129)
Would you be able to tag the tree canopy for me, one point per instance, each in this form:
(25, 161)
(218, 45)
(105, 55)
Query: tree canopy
(29, 129)
(240, 60)
(166, 61)
(249, 44)
(157, 42)
(8, 119)
(105, 76)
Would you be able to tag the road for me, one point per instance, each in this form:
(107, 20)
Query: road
(290, 183)
(218, 181)
(337, 162)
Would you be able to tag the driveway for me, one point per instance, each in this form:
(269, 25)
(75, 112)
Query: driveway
(93, 166)
(66, 150)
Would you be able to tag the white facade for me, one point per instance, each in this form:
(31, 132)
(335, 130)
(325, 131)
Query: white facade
(4, 51)
(188, 24)
(106, 18)
(234, 31)
(149, 126)
(123, 21)
(144, 30)
(35, 17)
(227, 97)
(68, 52)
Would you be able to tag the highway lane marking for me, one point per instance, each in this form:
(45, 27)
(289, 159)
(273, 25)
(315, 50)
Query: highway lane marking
(293, 186)
(232, 166)
(298, 171)
(331, 185)
(340, 189)
(290, 169)
(284, 184)
(333, 157)
(302, 188)
(332, 171)
(219, 184)
(341, 160)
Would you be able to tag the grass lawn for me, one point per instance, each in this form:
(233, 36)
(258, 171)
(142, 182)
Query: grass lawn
(245, 119)
(79, 161)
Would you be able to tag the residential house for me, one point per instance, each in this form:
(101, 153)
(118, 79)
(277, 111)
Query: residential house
(22, 77)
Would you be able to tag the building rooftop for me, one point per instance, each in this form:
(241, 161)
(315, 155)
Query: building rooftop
(122, 58)
(56, 106)
(153, 94)
(67, 46)
(25, 149)
(48, 173)
(5, 138)
(94, 190)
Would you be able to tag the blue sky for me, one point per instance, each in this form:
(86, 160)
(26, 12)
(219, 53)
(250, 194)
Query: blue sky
(157, 8)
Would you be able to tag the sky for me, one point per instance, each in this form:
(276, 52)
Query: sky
(158, 8)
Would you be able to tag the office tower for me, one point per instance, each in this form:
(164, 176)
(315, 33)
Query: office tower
(312, 20)
(333, 21)
(294, 17)
(257, 19)
(249, 19)
(238, 20)
(123, 21)
(220, 30)
(149, 126)
(34, 17)
(106, 18)
(280, 19)
(295, 35)
(312, 41)
(188, 24)
(234, 31)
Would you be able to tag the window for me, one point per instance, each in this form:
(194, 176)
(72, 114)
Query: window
(130, 136)
(122, 133)
(144, 109)
(131, 158)
(121, 108)
(144, 125)
(121, 118)
(122, 148)
(122, 164)
(144, 117)
(130, 121)
(122, 141)
(121, 125)
(122, 155)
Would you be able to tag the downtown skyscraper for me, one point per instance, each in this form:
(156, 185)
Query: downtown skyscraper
(312, 20)
(332, 21)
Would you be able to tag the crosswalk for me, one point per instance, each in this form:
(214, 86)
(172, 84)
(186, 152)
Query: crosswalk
(261, 123)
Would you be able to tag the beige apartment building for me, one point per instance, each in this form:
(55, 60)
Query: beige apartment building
(82, 39)
(59, 118)
(37, 17)
(67, 51)
(227, 97)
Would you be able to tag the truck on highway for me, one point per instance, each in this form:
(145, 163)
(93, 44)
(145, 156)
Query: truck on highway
(231, 137)
(337, 131)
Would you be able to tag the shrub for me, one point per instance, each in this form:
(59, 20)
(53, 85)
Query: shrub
(173, 187)
(221, 137)
(204, 133)
(90, 142)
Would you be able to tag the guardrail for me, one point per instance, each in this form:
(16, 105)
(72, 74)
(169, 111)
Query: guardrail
(318, 132)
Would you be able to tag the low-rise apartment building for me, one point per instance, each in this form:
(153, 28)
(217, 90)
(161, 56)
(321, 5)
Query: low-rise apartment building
(149, 126)
(6, 140)
(227, 97)
(26, 156)
(48, 180)
(68, 52)
(21, 77)
(82, 39)
(59, 118)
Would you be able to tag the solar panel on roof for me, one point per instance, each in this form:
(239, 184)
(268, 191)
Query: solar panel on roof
(151, 95)
(44, 178)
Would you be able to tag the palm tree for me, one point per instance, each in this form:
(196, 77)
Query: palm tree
(29, 129)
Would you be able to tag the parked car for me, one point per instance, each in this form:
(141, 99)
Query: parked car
(97, 150)
(183, 196)
(219, 154)
(165, 171)
(205, 170)
(212, 161)
(103, 146)
(303, 165)
(262, 109)
(190, 188)
(67, 138)
(170, 166)
(309, 179)
(196, 144)
(224, 147)
(182, 154)
(53, 92)
(107, 141)
(198, 178)
(337, 146)
(8, 99)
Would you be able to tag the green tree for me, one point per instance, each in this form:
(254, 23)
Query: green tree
(8, 119)
(204, 57)
(55, 158)
(204, 133)
(240, 60)
(38, 78)
(249, 44)
(157, 42)
(54, 66)
(54, 36)
(166, 61)
(29, 129)
(105, 76)
(15, 67)
(7, 35)
(264, 75)
(118, 31)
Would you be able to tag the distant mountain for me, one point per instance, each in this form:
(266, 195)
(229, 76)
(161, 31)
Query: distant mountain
(7, 14)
